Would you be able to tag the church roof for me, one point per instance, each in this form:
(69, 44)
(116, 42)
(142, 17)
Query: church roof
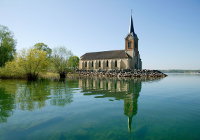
(116, 54)
(131, 28)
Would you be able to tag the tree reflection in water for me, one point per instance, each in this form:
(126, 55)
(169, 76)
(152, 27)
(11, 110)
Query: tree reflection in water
(32, 95)
(120, 89)
(35, 95)
(16, 94)
(61, 95)
(6, 105)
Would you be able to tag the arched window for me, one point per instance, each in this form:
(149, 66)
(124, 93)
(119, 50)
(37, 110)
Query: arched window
(99, 63)
(129, 44)
(85, 64)
(115, 63)
(107, 63)
(92, 64)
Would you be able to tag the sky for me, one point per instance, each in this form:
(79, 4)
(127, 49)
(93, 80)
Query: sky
(168, 30)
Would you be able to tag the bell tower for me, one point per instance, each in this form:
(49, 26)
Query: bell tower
(131, 47)
(131, 40)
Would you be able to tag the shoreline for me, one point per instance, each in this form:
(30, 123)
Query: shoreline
(131, 73)
(126, 73)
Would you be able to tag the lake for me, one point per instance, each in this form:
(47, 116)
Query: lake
(101, 109)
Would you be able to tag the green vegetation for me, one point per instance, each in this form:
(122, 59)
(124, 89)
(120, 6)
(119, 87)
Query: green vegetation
(73, 62)
(36, 62)
(7, 45)
(60, 59)
(43, 47)
(32, 62)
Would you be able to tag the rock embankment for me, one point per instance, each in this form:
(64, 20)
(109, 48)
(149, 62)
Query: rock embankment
(122, 73)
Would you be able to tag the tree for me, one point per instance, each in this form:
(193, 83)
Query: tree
(33, 62)
(60, 59)
(73, 62)
(12, 69)
(43, 47)
(7, 45)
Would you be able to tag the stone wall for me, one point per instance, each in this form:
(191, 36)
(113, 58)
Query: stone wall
(94, 64)
(121, 73)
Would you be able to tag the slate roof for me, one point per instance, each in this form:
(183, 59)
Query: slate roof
(116, 54)
(131, 28)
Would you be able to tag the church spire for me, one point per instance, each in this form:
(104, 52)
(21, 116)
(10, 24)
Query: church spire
(131, 28)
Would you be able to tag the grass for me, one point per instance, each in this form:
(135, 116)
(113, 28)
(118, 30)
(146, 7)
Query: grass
(49, 75)
(44, 75)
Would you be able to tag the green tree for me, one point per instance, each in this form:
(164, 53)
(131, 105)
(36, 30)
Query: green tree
(73, 62)
(60, 59)
(12, 69)
(7, 45)
(43, 47)
(33, 62)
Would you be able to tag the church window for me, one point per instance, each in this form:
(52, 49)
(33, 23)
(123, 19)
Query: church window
(115, 63)
(107, 64)
(85, 64)
(99, 63)
(92, 64)
(129, 45)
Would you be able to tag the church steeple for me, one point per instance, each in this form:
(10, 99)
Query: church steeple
(131, 40)
(131, 28)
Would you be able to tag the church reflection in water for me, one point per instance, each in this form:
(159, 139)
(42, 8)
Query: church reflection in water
(23, 95)
(127, 90)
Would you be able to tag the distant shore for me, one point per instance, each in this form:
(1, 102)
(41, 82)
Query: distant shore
(180, 71)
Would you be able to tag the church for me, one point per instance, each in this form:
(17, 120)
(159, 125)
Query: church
(129, 58)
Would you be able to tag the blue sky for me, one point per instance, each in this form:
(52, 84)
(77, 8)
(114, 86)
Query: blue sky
(168, 30)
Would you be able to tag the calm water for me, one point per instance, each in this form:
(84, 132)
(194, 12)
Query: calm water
(88, 109)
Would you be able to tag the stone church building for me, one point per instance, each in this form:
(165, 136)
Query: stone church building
(129, 58)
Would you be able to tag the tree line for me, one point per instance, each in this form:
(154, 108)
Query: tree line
(30, 63)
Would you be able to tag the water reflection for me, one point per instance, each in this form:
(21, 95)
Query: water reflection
(175, 100)
(61, 95)
(6, 105)
(31, 95)
(119, 89)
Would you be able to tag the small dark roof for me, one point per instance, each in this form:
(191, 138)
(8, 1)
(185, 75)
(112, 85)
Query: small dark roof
(131, 28)
(116, 54)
